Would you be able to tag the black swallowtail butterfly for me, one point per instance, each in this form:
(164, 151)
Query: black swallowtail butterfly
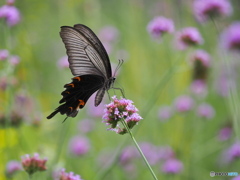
(89, 63)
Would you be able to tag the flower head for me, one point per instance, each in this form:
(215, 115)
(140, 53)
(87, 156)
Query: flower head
(207, 9)
(233, 152)
(188, 36)
(151, 152)
(172, 166)
(14, 60)
(33, 164)
(62, 175)
(128, 154)
(10, 2)
(225, 133)
(201, 62)
(236, 178)
(121, 109)
(165, 113)
(206, 110)
(11, 14)
(230, 38)
(198, 87)
(79, 145)
(4, 54)
(202, 56)
(159, 26)
(12, 167)
(184, 103)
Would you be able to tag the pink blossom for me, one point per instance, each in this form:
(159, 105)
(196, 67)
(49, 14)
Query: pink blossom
(33, 164)
(165, 113)
(199, 87)
(4, 54)
(172, 166)
(121, 109)
(79, 145)
(201, 56)
(14, 60)
(128, 154)
(225, 133)
(205, 110)
(13, 167)
(159, 26)
(11, 14)
(207, 9)
(232, 153)
(230, 38)
(184, 103)
(62, 175)
(188, 36)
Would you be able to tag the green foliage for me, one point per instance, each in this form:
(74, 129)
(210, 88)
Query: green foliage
(153, 75)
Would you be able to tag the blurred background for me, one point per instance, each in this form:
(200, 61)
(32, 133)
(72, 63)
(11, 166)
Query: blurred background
(181, 70)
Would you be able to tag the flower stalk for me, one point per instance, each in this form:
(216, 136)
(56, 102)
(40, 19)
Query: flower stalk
(138, 148)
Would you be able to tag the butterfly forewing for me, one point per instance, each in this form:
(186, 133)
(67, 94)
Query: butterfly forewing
(96, 44)
(76, 45)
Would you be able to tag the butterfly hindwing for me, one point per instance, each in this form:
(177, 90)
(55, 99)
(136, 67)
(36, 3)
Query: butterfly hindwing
(77, 93)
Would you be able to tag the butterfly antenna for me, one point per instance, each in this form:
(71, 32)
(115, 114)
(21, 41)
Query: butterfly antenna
(65, 119)
(120, 62)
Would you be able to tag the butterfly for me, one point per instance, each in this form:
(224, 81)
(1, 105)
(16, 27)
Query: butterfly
(89, 63)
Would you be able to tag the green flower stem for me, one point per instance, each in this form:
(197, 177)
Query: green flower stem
(138, 148)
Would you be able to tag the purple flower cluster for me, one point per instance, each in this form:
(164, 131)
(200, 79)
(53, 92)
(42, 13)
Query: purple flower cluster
(79, 145)
(206, 111)
(201, 56)
(232, 153)
(172, 166)
(201, 62)
(165, 112)
(225, 133)
(12, 167)
(4, 54)
(188, 36)
(207, 9)
(184, 103)
(155, 155)
(199, 88)
(10, 13)
(159, 26)
(33, 164)
(12, 59)
(230, 38)
(62, 175)
(121, 109)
